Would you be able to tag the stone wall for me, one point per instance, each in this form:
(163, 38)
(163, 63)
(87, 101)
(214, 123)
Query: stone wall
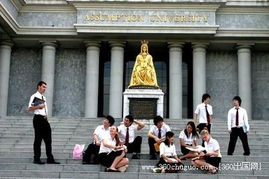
(221, 81)
(260, 85)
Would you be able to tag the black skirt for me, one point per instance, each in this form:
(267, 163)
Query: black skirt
(215, 161)
(184, 150)
(107, 159)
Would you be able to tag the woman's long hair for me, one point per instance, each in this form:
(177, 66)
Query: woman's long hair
(194, 132)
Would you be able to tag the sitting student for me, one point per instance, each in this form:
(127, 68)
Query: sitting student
(127, 135)
(111, 154)
(188, 138)
(210, 159)
(169, 162)
(98, 135)
(156, 135)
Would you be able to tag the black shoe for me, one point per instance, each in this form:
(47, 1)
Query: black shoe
(38, 162)
(135, 156)
(153, 157)
(86, 162)
(53, 162)
(246, 154)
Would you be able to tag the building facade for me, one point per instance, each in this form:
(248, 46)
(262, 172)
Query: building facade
(85, 50)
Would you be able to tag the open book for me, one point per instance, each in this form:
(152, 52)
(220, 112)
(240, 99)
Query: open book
(197, 148)
(122, 148)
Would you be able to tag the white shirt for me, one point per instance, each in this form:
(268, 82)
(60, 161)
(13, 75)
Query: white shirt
(242, 118)
(109, 141)
(101, 132)
(201, 112)
(212, 146)
(43, 111)
(122, 132)
(155, 131)
(188, 140)
(167, 151)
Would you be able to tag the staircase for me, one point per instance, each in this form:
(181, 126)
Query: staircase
(16, 151)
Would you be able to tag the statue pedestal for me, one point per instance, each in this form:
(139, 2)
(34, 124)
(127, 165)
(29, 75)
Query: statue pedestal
(143, 103)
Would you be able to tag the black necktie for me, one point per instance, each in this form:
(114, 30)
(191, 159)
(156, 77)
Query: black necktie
(236, 118)
(127, 136)
(207, 115)
(160, 134)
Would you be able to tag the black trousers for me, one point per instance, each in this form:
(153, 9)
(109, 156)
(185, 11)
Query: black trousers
(42, 132)
(135, 146)
(233, 138)
(151, 142)
(201, 126)
(92, 150)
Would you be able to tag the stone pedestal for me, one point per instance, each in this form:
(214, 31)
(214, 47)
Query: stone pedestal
(145, 96)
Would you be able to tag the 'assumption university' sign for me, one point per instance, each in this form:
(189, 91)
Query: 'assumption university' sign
(198, 19)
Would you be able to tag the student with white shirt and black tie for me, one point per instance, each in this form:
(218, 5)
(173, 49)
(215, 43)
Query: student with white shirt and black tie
(204, 113)
(238, 126)
(156, 135)
(127, 135)
(38, 105)
(99, 133)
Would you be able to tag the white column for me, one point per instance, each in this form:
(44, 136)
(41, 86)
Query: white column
(175, 81)
(92, 79)
(48, 65)
(244, 77)
(116, 80)
(5, 51)
(199, 73)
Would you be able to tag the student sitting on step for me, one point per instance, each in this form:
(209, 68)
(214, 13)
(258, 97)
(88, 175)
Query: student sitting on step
(210, 159)
(127, 135)
(156, 136)
(188, 138)
(99, 133)
(112, 153)
(169, 162)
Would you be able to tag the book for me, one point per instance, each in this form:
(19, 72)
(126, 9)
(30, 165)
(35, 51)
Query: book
(37, 101)
(198, 148)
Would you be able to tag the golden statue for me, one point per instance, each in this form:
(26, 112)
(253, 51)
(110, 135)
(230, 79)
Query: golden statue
(143, 74)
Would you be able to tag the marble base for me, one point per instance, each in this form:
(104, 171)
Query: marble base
(143, 93)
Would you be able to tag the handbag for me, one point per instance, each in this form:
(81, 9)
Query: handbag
(77, 151)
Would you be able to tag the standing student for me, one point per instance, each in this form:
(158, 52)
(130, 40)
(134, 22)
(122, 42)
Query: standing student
(99, 133)
(238, 126)
(127, 135)
(38, 104)
(211, 158)
(156, 135)
(112, 153)
(188, 138)
(168, 157)
(204, 113)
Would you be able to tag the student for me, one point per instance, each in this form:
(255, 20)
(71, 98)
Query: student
(127, 135)
(168, 158)
(111, 154)
(210, 159)
(38, 105)
(204, 113)
(99, 133)
(188, 138)
(156, 135)
(238, 126)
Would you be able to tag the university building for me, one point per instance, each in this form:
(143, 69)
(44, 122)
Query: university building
(85, 50)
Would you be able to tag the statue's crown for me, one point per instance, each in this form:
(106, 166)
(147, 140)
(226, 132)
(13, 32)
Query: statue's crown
(144, 42)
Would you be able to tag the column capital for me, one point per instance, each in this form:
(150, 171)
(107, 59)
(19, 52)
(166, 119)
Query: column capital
(7, 43)
(117, 43)
(92, 43)
(49, 43)
(175, 44)
(199, 45)
(240, 46)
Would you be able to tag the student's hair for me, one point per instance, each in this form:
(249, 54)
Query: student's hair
(194, 132)
(168, 134)
(237, 98)
(131, 119)
(157, 119)
(205, 96)
(40, 83)
(110, 119)
(117, 138)
(204, 131)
